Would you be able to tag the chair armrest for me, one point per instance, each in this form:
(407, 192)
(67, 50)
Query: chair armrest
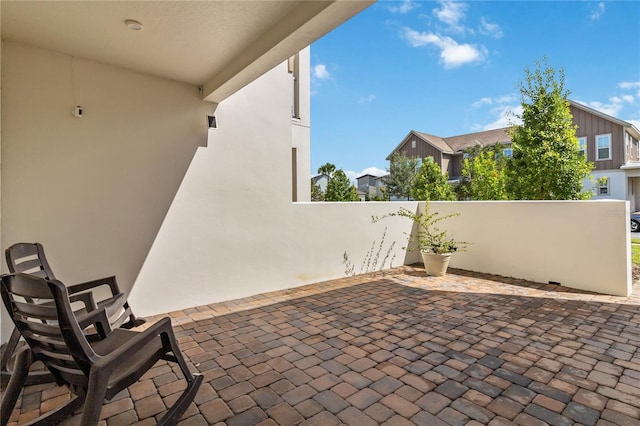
(87, 300)
(98, 318)
(110, 281)
(134, 344)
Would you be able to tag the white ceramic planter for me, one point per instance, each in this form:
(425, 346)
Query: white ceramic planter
(436, 264)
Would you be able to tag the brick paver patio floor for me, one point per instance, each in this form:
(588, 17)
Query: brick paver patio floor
(397, 349)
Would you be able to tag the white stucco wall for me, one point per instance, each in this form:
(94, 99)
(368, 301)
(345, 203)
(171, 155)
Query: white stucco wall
(617, 184)
(232, 230)
(94, 190)
(579, 244)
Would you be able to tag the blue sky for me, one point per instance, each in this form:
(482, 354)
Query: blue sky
(449, 68)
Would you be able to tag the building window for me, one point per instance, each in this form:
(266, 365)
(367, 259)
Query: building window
(603, 147)
(294, 70)
(294, 174)
(413, 144)
(507, 152)
(582, 146)
(603, 186)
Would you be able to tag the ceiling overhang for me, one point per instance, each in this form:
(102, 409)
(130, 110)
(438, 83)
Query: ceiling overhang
(218, 45)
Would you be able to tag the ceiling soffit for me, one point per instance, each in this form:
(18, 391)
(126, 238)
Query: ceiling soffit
(219, 45)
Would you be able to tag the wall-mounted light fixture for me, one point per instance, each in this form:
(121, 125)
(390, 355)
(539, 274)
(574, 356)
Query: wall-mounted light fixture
(212, 121)
(78, 112)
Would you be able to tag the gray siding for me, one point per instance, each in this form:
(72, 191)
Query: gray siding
(590, 125)
(455, 166)
(422, 150)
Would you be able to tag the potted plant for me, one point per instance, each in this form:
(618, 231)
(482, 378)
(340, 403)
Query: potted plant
(435, 245)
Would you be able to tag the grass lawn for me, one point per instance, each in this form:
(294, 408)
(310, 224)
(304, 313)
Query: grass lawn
(635, 251)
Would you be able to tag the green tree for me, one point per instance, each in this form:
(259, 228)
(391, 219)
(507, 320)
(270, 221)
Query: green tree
(401, 173)
(327, 169)
(340, 189)
(431, 184)
(483, 174)
(546, 163)
(316, 192)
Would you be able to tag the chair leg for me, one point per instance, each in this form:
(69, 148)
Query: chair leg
(18, 380)
(133, 320)
(6, 371)
(194, 381)
(23, 362)
(96, 391)
(170, 343)
(9, 349)
(176, 411)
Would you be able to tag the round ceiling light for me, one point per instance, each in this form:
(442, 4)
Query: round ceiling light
(134, 25)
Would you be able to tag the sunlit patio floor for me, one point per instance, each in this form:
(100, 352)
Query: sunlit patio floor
(397, 348)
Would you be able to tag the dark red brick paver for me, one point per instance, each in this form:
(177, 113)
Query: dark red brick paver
(396, 348)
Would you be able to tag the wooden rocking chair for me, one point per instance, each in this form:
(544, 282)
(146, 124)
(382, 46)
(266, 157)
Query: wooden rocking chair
(92, 371)
(29, 258)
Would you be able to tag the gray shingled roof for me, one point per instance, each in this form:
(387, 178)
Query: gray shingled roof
(436, 141)
(458, 143)
(453, 144)
(486, 138)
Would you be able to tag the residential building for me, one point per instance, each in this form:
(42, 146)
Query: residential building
(321, 181)
(371, 186)
(610, 143)
(449, 152)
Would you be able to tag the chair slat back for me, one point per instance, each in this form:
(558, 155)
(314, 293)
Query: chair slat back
(42, 313)
(30, 259)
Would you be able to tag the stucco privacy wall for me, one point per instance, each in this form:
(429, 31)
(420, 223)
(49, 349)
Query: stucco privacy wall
(539, 241)
(232, 230)
(580, 244)
(93, 190)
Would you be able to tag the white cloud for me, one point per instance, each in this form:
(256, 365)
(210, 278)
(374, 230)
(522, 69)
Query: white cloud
(451, 13)
(405, 7)
(636, 123)
(629, 85)
(505, 116)
(481, 102)
(506, 99)
(418, 39)
(489, 28)
(618, 105)
(452, 54)
(597, 11)
(375, 171)
(367, 99)
(491, 101)
(352, 176)
(612, 108)
(623, 98)
(320, 72)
